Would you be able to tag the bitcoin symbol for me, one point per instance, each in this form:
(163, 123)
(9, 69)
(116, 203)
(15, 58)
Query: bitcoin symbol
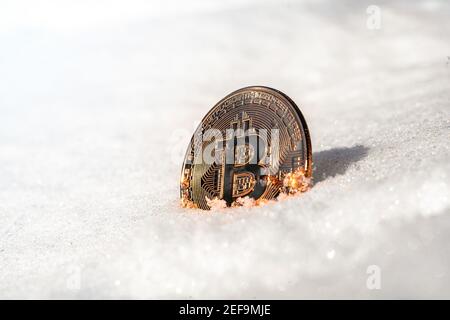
(243, 174)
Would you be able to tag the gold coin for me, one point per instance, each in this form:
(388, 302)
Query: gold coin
(253, 146)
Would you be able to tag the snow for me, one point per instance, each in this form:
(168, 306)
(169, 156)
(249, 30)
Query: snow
(97, 105)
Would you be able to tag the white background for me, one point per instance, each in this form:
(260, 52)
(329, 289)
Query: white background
(98, 100)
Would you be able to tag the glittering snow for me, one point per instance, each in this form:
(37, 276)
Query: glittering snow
(98, 103)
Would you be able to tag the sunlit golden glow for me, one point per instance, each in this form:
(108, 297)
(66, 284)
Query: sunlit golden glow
(296, 182)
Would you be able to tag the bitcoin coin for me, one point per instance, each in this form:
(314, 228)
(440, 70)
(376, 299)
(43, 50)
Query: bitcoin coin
(252, 147)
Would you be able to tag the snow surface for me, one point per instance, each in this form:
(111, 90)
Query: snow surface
(98, 102)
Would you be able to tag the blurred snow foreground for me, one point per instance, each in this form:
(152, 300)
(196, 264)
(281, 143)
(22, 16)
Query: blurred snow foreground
(98, 102)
